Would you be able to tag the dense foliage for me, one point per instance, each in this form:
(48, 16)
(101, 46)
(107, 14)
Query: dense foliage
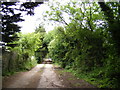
(41, 52)
(29, 51)
(88, 44)
(23, 55)
(18, 50)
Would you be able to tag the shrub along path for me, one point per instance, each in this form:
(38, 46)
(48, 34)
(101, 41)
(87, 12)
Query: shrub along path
(44, 76)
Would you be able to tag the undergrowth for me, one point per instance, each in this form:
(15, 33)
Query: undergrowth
(95, 77)
(26, 67)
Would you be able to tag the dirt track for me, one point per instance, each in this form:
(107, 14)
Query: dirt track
(49, 78)
(44, 76)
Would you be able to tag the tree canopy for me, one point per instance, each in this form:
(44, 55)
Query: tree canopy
(11, 14)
